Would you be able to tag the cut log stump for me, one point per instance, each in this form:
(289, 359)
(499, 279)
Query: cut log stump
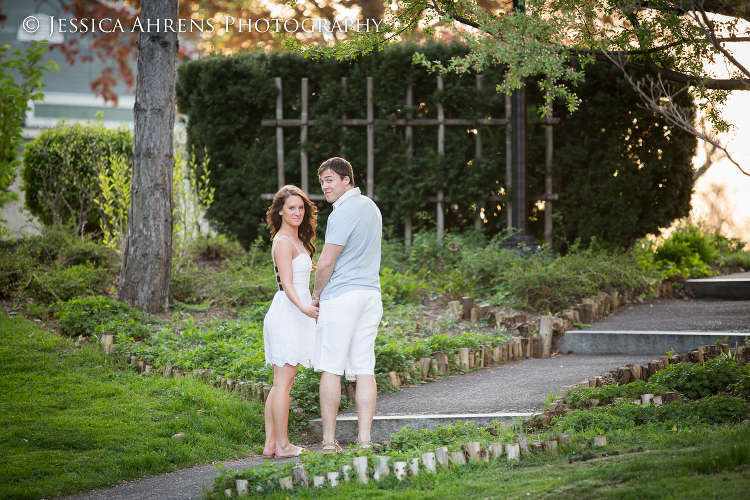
(428, 459)
(468, 305)
(299, 475)
(457, 457)
(360, 467)
(381, 468)
(512, 451)
(522, 441)
(441, 456)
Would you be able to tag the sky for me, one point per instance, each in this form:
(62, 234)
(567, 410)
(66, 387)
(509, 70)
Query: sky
(725, 176)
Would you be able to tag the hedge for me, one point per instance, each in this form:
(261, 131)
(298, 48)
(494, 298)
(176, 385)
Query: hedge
(620, 171)
(60, 170)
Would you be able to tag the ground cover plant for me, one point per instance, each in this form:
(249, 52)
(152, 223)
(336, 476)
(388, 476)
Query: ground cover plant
(73, 419)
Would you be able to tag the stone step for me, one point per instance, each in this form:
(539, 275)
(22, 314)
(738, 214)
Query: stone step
(383, 427)
(641, 342)
(721, 288)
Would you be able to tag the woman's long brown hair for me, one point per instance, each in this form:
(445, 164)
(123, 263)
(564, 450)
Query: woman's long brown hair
(306, 230)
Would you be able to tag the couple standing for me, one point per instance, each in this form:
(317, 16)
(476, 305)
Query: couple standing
(345, 301)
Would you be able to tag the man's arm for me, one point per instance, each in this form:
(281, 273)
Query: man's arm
(326, 263)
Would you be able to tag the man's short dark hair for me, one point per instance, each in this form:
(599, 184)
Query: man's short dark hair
(339, 166)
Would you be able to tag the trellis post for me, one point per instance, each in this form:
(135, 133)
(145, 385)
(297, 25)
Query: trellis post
(478, 152)
(345, 130)
(509, 162)
(370, 142)
(548, 179)
(303, 138)
(518, 104)
(518, 180)
(441, 154)
(548, 195)
(279, 135)
(409, 152)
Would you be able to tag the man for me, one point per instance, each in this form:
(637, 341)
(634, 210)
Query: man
(347, 290)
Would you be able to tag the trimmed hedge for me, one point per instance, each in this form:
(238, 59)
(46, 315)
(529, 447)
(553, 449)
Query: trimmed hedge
(60, 170)
(621, 171)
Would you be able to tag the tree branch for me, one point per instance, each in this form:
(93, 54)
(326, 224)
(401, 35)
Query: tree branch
(708, 29)
(673, 114)
(460, 19)
(650, 68)
(674, 76)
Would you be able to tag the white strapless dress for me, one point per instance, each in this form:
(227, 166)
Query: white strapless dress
(288, 334)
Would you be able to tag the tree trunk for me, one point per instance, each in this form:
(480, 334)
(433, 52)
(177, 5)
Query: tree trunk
(147, 259)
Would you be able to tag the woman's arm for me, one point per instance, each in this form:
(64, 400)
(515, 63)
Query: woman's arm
(284, 254)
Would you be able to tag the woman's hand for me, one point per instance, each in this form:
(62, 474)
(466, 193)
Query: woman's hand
(310, 311)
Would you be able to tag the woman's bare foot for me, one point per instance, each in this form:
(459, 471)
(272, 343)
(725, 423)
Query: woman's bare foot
(289, 451)
(270, 449)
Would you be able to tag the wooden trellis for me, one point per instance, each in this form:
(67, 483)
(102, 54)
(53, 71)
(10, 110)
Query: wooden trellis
(304, 122)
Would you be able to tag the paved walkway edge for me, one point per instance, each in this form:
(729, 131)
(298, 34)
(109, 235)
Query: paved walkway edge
(385, 426)
(641, 342)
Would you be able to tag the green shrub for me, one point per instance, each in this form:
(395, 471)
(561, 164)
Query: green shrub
(306, 391)
(452, 436)
(742, 388)
(83, 316)
(737, 259)
(608, 393)
(232, 348)
(235, 285)
(697, 380)
(67, 283)
(400, 288)
(255, 313)
(436, 257)
(625, 414)
(389, 356)
(601, 419)
(124, 328)
(684, 241)
(14, 268)
(451, 343)
(87, 252)
(60, 171)
(689, 251)
(183, 286)
(20, 84)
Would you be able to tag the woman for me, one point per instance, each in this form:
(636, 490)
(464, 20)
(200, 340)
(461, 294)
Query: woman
(289, 325)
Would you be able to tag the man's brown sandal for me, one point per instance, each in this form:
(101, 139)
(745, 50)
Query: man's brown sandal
(367, 445)
(332, 447)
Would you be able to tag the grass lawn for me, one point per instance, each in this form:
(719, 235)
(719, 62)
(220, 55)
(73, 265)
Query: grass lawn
(692, 464)
(73, 419)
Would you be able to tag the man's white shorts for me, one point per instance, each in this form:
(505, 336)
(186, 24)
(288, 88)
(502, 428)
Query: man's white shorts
(345, 336)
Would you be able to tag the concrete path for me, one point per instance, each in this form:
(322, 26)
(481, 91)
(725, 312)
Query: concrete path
(692, 315)
(517, 387)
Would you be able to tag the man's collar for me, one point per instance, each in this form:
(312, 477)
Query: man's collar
(343, 197)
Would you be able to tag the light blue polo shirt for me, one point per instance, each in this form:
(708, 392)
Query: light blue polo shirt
(355, 224)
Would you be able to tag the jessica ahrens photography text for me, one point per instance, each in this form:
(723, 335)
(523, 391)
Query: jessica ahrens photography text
(32, 24)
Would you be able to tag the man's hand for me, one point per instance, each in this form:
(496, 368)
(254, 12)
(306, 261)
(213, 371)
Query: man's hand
(315, 303)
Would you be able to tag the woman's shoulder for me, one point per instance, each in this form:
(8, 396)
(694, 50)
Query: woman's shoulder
(284, 241)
